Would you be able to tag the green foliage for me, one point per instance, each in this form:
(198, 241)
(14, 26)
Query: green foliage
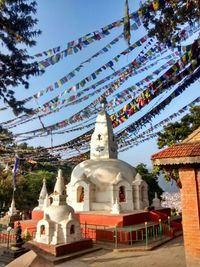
(16, 32)
(27, 236)
(175, 133)
(6, 190)
(35, 165)
(168, 174)
(152, 180)
(31, 185)
(178, 131)
(28, 186)
(166, 19)
(6, 137)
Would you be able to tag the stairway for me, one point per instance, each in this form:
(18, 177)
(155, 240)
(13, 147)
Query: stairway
(9, 254)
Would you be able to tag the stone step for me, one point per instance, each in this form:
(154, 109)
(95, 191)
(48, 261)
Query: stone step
(8, 255)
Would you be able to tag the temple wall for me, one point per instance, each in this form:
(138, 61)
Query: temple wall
(190, 197)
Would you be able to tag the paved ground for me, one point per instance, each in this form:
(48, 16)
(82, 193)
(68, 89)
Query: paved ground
(171, 254)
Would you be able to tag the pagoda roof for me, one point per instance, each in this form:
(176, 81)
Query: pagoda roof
(187, 152)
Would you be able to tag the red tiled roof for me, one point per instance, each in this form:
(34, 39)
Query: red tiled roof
(179, 150)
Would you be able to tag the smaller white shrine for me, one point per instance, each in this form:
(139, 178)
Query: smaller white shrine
(156, 203)
(43, 195)
(105, 183)
(58, 225)
(12, 209)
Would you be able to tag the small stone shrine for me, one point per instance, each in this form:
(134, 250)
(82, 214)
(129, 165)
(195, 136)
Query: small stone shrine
(58, 225)
(11, 216)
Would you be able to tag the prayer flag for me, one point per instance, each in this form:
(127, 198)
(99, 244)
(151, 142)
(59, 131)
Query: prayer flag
(16, 165)
(127, 33)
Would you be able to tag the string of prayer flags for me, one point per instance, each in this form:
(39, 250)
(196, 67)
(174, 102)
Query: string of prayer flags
(127, 30)
(126, 142)
(156, 110)
(15, 169)
(51, 104)
(136, 104)
(139, 123)
(96, 35)
(150, 93)
(76, 46)
(111, 87)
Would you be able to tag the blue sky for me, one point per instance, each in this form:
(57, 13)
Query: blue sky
(62, 21)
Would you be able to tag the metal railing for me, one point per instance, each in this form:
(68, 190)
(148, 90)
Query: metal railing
(140, 234)
(8, 237)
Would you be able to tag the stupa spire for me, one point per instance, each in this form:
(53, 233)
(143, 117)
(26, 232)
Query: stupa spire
(103, 102)
(156, 201)
(59, 194)
(43, 191)
(59, 187)
(12, 209)
(103, 142)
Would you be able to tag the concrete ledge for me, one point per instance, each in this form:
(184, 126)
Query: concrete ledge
(60, 250)
(52, 259)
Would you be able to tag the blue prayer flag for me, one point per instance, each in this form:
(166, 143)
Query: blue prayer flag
(16, 165)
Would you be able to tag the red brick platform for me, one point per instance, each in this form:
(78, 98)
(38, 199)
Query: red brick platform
(125, 219)
(103, 218)
(60, 250)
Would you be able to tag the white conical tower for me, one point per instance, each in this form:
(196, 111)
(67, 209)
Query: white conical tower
(60, 186)
(103, 142)
(12, 209)
(59, 194)
(43, 191)
(42, 196)
(156, 201)
(46, 202)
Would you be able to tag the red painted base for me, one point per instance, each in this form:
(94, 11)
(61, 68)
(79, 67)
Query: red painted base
(37, 215)
(30, 225)
(102, 226)
(105, 219)
(126, 219)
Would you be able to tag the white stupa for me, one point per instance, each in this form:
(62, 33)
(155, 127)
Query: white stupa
(43, 195)
(156, 203)
(58, 225)
(105, 183)
(12, 209)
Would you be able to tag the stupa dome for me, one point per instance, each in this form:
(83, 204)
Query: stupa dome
(59, 213)
(104, 171)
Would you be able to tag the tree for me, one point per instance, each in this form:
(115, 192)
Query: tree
(28, 183)
(6, 137)
(16, 33)
(166, 19)
(5, 187)
(177, 131)
(35, 164)
(151, 179)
